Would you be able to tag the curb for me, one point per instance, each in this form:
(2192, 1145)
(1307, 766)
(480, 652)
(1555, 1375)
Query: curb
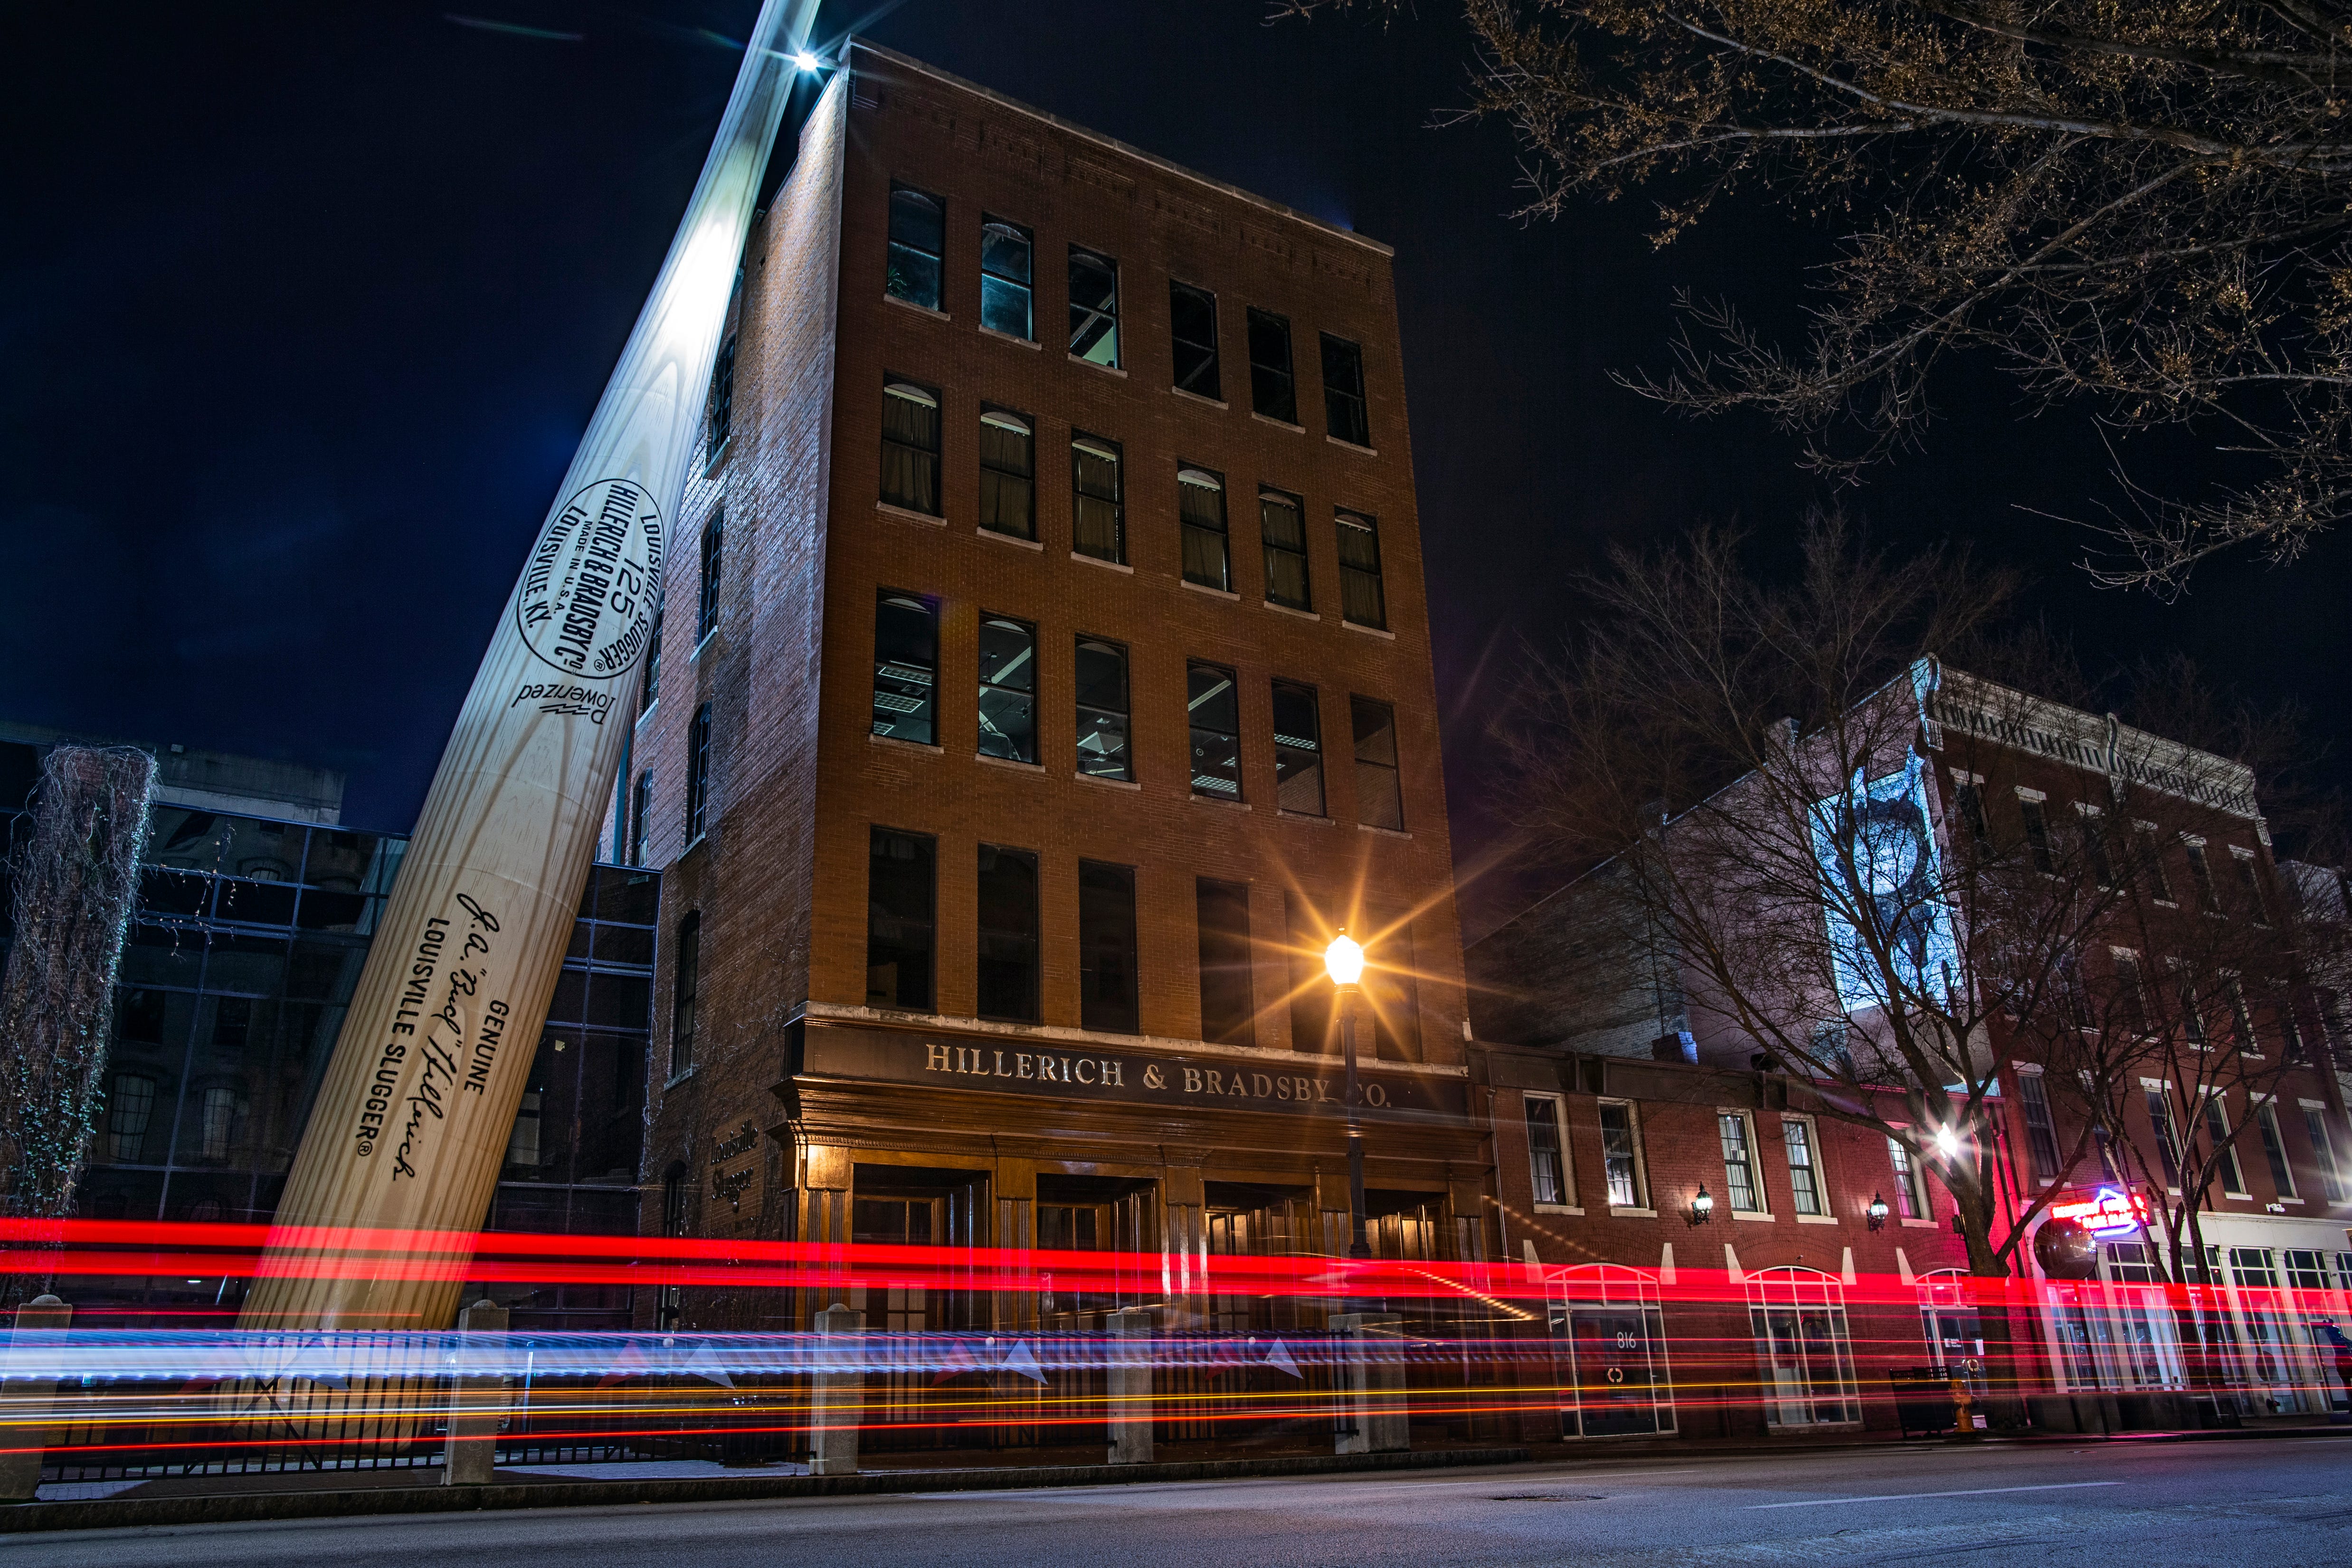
(108, 1514)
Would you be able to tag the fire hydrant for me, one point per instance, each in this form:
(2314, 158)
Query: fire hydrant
(1964, 1420)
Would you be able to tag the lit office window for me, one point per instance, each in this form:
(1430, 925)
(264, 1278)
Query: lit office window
(1005, 281)
(1201, 510)
(1101, 668)
(1213, 710)
(1094, 308)
(918, 240)
(900, 886)
(1008, 688)
(1008, 473)
(1343, 392)
(905, 668)
(910, 446)
(1620, 1155)
(1804, 1176)
(1742, 1190)
(1193, 328)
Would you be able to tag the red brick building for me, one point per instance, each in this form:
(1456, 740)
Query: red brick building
(1044, 677)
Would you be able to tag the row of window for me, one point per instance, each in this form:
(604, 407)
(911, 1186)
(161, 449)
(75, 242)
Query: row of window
(911, 421)
(2145, 850)
(1625, 1167)
(906, 708)
(917, 273)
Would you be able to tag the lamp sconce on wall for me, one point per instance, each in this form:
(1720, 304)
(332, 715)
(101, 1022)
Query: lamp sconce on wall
(1876, 1212)
(1702, 1207)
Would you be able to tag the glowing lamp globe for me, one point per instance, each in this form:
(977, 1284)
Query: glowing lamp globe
(1344, 960)
(806, 61)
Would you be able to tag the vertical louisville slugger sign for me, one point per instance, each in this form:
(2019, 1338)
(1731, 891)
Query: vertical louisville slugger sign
(411, 1123)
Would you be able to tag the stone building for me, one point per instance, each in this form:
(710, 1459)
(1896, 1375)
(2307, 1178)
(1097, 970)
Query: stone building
(1044, 678)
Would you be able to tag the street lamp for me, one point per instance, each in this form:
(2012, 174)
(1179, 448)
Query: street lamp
(1876, 1212)
(1702, 1207)
(1344, 962)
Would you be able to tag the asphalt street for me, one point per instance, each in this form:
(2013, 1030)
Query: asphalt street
(2279, 1503)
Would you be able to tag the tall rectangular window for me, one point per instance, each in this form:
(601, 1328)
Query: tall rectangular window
(2242, 1017)
(901, 883)
(1273, 390)
(2332, 1174)
(1311, 1015)
(641, 805)
(714, 559)
(1804, 1178)
(1214, 708)
(1283, 526)
(1967, 797)
(1192, 330)
(1741, 1189)
(2275, 1149)
(2225, 1162)
(2041, 1128)
(2250, 883)
(650, 693)
(905, 668)
(1228, 1009)
(917, 241)
(1008, 688)
(2167, 1136)
(1107, 977)
(1391, 985)
(1362, 598)
(1620, 1155)
(2201, 873)
(2037, 832)
(1379, 800)
(1004, 278)
(718, 420)
(2150, 845)
(1910, 1191)
(698, 776)
(2192, 1006)
(911, 446)
(1546, 1152)
(2094, 844)
(1343, 392)
(1098, 500)
(1201, 510)
(1297, 750)
(1008, 473)
(1103, 710)
(1008, 934)
(1094, 308)
(686, 986)
(2131, 993)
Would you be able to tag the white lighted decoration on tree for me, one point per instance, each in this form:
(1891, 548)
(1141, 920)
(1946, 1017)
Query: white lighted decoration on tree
(413, 1119)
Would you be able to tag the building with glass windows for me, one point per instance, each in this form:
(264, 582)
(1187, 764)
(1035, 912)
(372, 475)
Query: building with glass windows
(1060, 685)
(256, 908)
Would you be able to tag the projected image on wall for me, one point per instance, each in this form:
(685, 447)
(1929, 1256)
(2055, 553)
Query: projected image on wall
(1878, 861)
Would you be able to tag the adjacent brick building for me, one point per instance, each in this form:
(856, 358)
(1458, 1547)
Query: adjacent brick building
(1044, 677)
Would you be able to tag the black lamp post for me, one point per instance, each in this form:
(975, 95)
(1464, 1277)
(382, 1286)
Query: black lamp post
(1344, 962)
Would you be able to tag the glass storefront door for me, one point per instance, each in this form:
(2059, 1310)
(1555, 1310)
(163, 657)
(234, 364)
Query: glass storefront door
(1803, 1349)
(1609, 1353)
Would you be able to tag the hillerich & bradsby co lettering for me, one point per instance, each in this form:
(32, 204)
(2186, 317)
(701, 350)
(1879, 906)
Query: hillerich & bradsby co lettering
(435, 1039)
(1109, 1072)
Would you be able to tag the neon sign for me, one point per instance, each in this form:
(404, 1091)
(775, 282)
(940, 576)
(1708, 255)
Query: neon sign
(2110, 1211)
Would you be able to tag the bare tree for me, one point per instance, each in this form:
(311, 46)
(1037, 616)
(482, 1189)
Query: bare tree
(2136, 205)
(1784, 803)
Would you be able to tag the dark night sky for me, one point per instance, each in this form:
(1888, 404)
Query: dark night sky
(303, 308)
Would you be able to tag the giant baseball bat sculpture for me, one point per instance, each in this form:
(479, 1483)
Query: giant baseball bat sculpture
(411, 1123)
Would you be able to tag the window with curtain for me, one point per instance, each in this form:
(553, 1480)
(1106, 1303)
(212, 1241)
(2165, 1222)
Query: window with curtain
(1620, 1155)
(1362, 598)
(1742, 1190)
(1343, 392)
(2225, 1163)
(1008, 934)
(905, 668)
(1102, 704)
(2041, 1127)
(917, 241)
(1227, 1008)
(1094, 308)
(1297, 750)
(698, 776)
(911, 446)
(686, 986)
(719, 421)
(1805, 1195)
(1273, 391)
(714, 559)
(1200, 512)
(1107, 956)
(1546, 1152)
(1098, 501)
(1193, 332)
(1004, 278)
(2275, 1149)
(1213, 707)
(1379, 799)
(1008, 688)
(1282, 525)
(1008, 473)
(901, 884)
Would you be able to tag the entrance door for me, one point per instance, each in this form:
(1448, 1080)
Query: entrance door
(1618, 1392)
(1798, 1316)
